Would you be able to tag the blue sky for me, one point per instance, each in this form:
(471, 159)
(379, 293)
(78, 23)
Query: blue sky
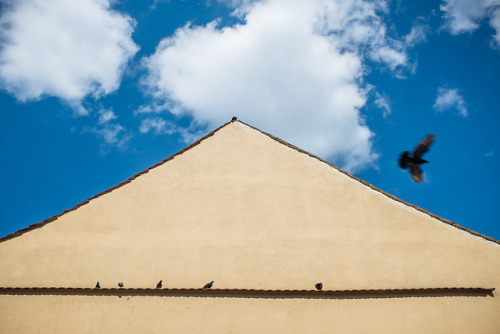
(94, 91)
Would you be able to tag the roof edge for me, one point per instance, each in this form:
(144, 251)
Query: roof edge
(371, 186)
(53, 218)
(281, 141)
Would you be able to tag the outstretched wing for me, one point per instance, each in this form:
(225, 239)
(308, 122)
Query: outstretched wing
(416, 173)
(423, 146)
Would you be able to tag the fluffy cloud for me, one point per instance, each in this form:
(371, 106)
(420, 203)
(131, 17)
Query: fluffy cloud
(111, 133)
(65, 49)
(357, 25)
(466, 15)
(293, 68)
(448, 98)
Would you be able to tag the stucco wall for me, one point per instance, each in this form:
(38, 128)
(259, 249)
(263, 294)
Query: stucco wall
(251, 213)
(84, 314)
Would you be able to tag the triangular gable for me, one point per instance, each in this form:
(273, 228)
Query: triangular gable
(50, 219)
(248, 210)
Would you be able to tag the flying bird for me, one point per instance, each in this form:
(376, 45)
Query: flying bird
(97, 286)
(319, 286)
(158, 286)
(120, 284)
(208, 285)
(414, 159)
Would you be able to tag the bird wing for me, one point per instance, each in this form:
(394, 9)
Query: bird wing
(423, 146)
(416, 173)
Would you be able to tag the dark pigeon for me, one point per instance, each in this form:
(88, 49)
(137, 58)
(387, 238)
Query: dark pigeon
(97, 286)
(413, 160)
(158, 286)
(208, 285)
(319, 286)
(120, 284)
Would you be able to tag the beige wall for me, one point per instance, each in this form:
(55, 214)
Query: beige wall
(81, 314)
(250, 213)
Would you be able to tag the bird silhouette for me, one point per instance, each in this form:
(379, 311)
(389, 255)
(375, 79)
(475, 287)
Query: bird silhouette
(97, 286)
(319, 286)
(158, 286)
(120, 284)
(208, 285)
(413, 160)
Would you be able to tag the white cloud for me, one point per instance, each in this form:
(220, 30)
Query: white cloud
(495, 24)
(357, 26)
(145, 109)
(448, 98)
(65, 49)
(158, 125)
(106, 115)
(418, 34)
(294, 68)
(393, 58)
(466, 15)
(382, 102)
(112, 133)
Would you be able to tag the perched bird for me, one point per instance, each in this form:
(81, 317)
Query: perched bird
(234, 119)
(414, 159)
(208, 285)
(158, 286)
(120, 284)
(97, 286)
(319, 286)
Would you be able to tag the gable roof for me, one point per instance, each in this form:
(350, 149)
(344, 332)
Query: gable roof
(279, 140)
(247, 202)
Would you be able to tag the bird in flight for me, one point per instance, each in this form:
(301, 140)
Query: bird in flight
(413, 160)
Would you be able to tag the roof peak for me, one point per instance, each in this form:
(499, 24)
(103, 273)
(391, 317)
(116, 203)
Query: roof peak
(234, 119)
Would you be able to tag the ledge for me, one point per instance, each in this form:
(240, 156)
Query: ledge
(249, 293)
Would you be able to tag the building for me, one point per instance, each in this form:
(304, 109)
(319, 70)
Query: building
(266, 222)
